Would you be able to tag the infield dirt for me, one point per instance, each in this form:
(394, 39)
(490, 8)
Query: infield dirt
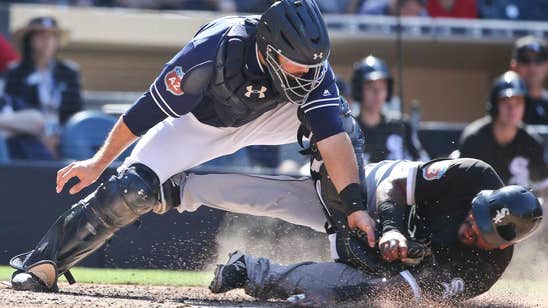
(96, 295)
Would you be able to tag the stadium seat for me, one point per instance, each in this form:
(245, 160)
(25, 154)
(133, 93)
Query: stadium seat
(84, 134)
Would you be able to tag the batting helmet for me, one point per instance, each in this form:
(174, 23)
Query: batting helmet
(370, 68)
(506, 85)
(530, 49)
(294, 29)
(507, 215)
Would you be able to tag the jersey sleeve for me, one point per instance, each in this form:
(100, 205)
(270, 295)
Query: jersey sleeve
(177, 89)
(322, 108)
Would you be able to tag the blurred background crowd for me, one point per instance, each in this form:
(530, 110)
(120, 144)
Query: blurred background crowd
(486, 9)
(44, 117)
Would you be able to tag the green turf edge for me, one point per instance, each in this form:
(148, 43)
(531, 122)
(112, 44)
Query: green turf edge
(131, 276)
(190, 278)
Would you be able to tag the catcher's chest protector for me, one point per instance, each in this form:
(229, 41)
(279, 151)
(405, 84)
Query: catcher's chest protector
(240, 96)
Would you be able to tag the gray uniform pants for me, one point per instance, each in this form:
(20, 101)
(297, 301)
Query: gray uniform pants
(294, 200)
(319, 282)
(291, 199)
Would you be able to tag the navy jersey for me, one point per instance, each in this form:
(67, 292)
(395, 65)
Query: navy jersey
(190, 83)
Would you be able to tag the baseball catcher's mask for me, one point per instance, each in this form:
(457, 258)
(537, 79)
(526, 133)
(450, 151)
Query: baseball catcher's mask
(295, 30)
(295, 88)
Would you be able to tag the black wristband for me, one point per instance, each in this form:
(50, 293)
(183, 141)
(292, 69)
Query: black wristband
(351, 197)
(391, 216)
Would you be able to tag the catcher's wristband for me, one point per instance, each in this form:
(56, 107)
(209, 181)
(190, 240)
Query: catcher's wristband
(351, 198)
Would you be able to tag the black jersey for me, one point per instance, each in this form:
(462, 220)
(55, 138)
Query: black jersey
(443, 193)
(392, 139)
(536, 110)
(519, 162)
(439, 194)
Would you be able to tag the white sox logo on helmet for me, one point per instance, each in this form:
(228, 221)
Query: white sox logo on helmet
(260, 92)
(500, 215)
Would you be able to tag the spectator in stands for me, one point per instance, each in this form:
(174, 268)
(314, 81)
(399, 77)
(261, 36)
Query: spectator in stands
(390, 7)
(7, 55)
(22, 127)
(530, 61)
(452, 8)
(42, 79)
(387, 136)
(499, 139)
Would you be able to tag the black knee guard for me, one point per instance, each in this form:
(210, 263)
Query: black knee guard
(88, 224)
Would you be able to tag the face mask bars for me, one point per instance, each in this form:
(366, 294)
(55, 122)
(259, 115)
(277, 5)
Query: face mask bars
(296, 89)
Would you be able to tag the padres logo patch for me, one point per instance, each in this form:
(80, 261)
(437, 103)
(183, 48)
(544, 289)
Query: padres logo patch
(435, 170)
(173, 79)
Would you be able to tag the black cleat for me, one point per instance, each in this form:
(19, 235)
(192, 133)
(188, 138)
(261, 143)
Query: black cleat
(23, 281)
(232, 275)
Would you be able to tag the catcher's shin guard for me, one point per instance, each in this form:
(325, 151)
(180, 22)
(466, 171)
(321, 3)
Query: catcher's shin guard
(86, 226)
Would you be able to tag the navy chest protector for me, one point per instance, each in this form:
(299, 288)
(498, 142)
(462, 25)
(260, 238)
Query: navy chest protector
(238, 94)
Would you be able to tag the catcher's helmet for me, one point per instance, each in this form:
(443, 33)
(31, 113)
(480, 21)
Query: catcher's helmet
(294, 29)
(507, 215)
(370, 68)
(506, 85)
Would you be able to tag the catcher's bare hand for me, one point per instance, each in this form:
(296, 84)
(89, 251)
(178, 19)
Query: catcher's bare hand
(87, 171)
(362, 221)
(393, 245)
